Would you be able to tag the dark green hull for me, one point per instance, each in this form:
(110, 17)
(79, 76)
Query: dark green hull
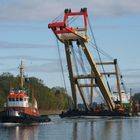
(77, 113)
(23, 118)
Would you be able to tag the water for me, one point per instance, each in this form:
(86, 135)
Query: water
(75, 129)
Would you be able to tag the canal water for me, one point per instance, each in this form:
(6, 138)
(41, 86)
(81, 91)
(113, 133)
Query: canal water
(106, 128)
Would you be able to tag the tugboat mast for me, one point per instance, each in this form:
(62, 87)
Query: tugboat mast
(21, 75)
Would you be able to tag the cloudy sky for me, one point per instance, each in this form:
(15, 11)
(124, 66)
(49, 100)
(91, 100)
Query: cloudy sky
(24, 34)
(43, 9)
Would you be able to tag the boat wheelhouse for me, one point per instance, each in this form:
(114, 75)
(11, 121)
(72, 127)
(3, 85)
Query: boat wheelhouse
(18, 100)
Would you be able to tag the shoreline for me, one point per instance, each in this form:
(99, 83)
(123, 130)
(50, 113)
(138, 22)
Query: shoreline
(45, 112)
(50, 112)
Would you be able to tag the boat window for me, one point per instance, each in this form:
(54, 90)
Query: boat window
(16, 99)
(13, 99)
(21, 99)
(10, 99)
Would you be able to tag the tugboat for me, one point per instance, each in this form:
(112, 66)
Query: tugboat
(19, 109)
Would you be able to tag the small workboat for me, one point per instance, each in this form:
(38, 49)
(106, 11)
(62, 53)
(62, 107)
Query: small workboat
(20, 108)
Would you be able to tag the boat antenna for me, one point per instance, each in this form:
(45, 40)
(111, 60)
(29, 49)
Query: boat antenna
(21, 74)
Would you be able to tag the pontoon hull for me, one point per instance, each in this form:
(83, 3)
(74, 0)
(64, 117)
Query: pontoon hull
(77, 113)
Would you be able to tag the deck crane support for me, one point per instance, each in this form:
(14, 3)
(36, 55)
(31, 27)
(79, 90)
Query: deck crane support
(69, 35)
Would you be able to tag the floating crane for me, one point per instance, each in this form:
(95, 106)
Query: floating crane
(70, 36)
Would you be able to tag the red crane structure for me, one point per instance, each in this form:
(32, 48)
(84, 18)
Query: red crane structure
(70, 35)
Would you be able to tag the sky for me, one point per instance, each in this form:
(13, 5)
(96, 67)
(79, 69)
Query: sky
(24, 35)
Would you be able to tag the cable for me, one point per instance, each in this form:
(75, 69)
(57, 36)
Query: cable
(83, 67)
(72, 19)
(81, 62)
(98, 53)
(58, 17)
(74, 59)
(122, 83)
(101, 51)
(63, 75)
(101, 97)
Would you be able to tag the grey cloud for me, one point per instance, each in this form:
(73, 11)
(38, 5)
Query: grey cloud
(116, 8)
(23, 45)
(22, 28)
(28, 9)
(31, 58)
(37, 64)
(49, 67)
(24, 57)
(132, 76)
(44, 9)
(131, 70)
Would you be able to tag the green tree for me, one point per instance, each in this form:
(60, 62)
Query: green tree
(48, 99)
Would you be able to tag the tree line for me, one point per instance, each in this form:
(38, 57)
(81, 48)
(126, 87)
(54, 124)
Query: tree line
(47, 98)
(136, 97)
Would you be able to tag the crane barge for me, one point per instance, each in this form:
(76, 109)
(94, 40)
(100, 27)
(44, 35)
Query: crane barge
(71, 37)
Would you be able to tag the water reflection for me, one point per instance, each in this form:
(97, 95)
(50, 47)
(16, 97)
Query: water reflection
(22, 132)
(83, 131)
(103, 129)
(92, 134)
(76, 129)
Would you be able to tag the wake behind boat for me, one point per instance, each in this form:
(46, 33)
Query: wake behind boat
(20, 108)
